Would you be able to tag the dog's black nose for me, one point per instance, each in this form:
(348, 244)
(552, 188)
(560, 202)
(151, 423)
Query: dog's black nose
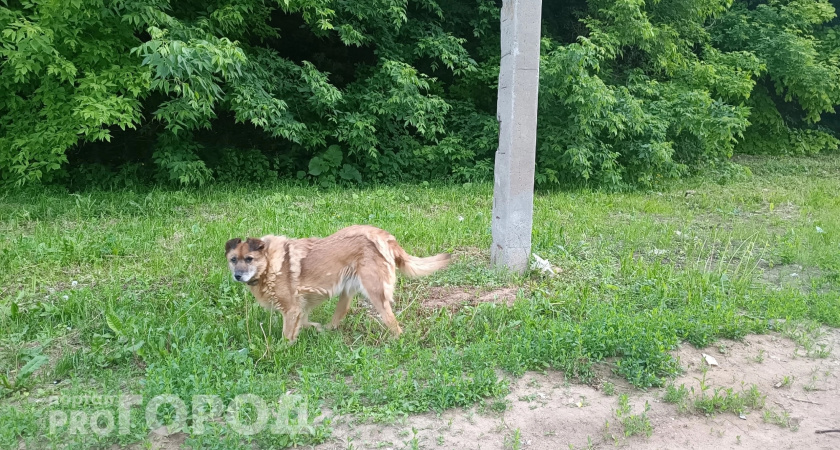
(238, 277)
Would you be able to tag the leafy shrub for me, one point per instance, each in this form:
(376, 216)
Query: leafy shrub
(328, 169)
(632, 93)
(178, 161)
(232, 165)
(67, 77)
(771, 134)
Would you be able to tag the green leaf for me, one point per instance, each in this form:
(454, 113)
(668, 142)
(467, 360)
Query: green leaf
(29, 368)
(350, 173)
(317, 166)
(333, 156)
(4, 382)
(114, 323)
(136, 346)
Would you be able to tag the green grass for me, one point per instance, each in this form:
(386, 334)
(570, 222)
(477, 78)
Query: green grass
(114, 293)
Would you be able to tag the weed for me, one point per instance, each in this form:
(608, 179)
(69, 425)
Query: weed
(726, 400)
(528, 398)
(677, 396)
(499, 405)
(781, 419)
(712, 400)
(583, 402)
(414, 443)
(807, 334)
(513, 441)
(812, 384)
(608, 436)
(609, 388)
(759, 358)
(787, 381)
(633, 423)
(623, 405)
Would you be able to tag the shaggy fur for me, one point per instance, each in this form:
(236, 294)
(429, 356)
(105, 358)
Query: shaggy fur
(294, 276)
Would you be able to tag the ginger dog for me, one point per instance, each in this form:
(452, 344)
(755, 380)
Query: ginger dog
(295, 276)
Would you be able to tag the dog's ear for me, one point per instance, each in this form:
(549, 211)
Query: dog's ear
(255, 245)
(231, 244)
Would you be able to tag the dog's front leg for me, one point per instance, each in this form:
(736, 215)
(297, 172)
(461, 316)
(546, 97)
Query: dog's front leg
(305, 322)
(292, 321)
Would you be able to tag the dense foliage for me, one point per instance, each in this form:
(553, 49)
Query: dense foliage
(123, 91)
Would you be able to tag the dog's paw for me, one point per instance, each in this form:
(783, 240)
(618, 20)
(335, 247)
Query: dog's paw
(317, 326)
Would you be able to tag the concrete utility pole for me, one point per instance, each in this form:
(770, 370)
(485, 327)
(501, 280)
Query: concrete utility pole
(519, 79)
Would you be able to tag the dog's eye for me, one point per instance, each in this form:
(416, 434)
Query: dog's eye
(233, 260)
(248, 259)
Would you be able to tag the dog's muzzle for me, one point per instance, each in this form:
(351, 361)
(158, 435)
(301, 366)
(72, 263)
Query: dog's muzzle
(241, 277)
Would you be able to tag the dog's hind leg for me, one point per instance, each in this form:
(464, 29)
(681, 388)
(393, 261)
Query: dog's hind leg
(341, 308)
(380, 293)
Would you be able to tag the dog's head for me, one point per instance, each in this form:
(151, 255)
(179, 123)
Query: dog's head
(246, 260)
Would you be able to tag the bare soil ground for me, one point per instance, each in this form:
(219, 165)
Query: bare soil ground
(453, 298)
(546, 412)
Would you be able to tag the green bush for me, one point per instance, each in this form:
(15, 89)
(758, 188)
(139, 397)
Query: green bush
(632, 92)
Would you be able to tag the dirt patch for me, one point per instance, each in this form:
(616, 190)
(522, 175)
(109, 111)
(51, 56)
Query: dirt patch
(790, 275)
(786, 212)
(171, 242)
(773, 216)
(159, 439)
(471, 254)
(456, 297)
(547, 412)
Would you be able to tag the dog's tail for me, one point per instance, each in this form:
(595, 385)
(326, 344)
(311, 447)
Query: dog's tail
(413, 266)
